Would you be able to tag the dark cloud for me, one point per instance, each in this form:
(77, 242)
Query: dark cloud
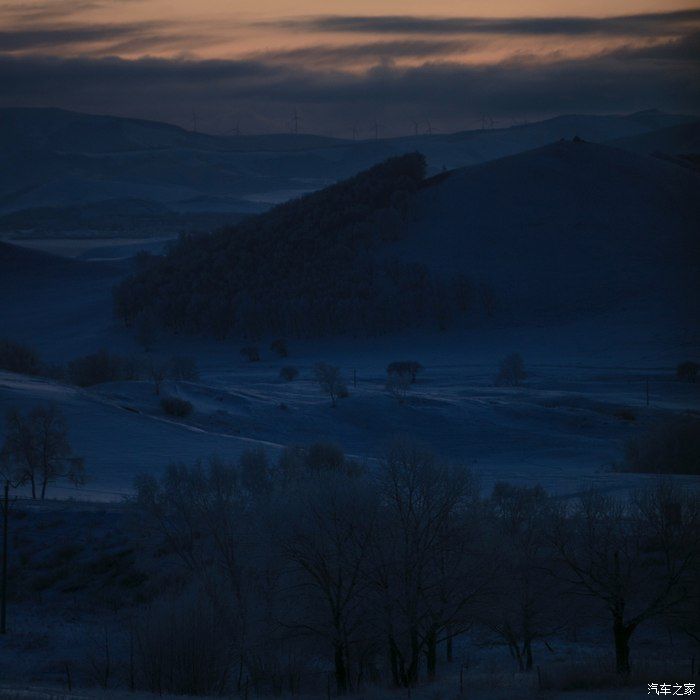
(451, 94)
(371, 51)
(51, 38)
(652, 24)
(54, 9)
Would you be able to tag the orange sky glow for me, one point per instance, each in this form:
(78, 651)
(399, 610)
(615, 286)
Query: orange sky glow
(336, 42)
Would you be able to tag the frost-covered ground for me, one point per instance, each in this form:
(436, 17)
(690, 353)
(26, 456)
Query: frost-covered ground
(564, 428)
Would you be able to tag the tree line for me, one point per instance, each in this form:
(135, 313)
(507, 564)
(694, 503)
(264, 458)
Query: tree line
(316, 265)
(379, 572)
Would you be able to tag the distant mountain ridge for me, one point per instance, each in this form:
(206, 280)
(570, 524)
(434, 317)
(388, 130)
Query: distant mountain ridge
(60, 159)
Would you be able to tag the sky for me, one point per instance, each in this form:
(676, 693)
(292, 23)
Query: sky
(340, 67)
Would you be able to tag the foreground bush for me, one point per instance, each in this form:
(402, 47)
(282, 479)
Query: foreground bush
(670, 448)
(176, 407)
(251, 353)
(289, 373)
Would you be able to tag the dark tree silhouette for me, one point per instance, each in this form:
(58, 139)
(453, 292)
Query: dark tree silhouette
(37, 449)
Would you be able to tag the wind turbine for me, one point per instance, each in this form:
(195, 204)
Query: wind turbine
(236, 130)
(295, 121)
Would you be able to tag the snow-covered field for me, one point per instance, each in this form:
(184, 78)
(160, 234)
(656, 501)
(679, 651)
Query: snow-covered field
(585, 395)
(564, 429)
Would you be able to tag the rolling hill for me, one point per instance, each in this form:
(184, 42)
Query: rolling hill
(567, 229)
(569, 226)
(673, 140)
(64, 160)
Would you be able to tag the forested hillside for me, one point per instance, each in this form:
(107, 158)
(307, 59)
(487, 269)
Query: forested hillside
(304, 268)
(541, 234)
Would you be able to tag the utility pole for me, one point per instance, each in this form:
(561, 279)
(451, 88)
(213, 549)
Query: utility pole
(3, 583)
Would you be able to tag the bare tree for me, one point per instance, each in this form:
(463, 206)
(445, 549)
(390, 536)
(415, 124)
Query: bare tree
(329, 380)
(424, 569)
(330, 531)
(37, 449)
(527, 605)
(635, 557)
(398, 385)
(198, 514)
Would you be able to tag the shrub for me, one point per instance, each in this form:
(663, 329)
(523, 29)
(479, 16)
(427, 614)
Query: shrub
(289, 373)
(688, 371)
(511, 371)
(329, 380)
(19, 358)
(176, 407)
(279, 347)
(409, 368)
(251, 353)
(398, 385)
(670, 448)
(101, 367)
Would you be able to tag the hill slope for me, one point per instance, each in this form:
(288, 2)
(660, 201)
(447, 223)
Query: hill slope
(63, 159)
(569, 228)
(573, 225)
(673, 140)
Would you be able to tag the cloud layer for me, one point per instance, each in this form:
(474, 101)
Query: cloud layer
(395, 69)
